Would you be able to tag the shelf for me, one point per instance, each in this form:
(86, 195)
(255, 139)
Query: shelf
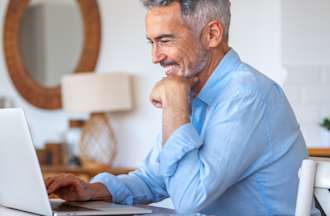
(319, 152)
(84, 173)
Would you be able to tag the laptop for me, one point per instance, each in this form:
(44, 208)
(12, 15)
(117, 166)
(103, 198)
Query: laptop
(21, 183)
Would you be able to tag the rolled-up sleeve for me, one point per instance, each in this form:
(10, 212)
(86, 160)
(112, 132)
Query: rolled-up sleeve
(144, 185)
(184, 140)
(119, 191)
(197, 171)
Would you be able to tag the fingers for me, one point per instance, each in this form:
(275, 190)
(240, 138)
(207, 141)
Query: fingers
(157, 104)
(155, 97)
(70, 194)
(60, 181)
(155, 101)
(170, 85)
(50, 180)
(68, 187)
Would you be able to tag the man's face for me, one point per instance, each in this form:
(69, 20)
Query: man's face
(174, 46)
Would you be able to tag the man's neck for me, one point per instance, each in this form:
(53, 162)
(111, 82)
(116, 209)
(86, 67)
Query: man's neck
(215, 57)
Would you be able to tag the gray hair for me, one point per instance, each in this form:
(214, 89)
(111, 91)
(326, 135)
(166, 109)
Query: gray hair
(196, 13)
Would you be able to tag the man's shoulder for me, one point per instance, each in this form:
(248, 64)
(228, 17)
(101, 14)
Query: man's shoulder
(248, 79)
(244, 82)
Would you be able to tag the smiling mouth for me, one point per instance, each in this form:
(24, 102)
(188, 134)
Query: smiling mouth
(171, 69)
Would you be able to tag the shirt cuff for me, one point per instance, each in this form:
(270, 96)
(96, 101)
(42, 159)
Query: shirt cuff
(118, 190)
(180, 143)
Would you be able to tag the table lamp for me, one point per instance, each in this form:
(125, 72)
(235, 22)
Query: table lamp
(96, 94)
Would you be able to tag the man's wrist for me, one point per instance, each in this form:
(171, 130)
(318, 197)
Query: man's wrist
(99, 192)
(172, 120)
(176, 117)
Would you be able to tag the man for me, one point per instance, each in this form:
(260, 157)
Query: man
(230, 143)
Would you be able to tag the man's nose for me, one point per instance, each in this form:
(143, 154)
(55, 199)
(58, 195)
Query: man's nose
(157, 55)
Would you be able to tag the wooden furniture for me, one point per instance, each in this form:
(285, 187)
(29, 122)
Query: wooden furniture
(84, 173)
(319, 152)
(32, 91)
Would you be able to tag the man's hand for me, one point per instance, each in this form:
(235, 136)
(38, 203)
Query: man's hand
(71, 188)
(172, 94)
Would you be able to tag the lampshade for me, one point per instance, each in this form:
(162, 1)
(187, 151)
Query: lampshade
(92, 92)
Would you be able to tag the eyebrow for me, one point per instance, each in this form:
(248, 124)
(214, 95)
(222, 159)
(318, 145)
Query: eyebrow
(161, 37)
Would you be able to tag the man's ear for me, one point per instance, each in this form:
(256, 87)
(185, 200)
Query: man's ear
(213, 34)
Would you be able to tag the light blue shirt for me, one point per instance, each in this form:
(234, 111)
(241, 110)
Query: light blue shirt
(240, 154)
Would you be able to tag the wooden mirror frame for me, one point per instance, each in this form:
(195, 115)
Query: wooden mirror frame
(32, 91)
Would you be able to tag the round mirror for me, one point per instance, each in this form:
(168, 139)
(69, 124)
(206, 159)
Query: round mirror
(39, 52)
(51, 37)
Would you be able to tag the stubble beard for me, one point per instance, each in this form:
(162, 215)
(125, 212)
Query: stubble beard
(199, 66)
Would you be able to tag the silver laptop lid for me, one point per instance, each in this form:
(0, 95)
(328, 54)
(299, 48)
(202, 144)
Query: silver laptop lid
(21, 183)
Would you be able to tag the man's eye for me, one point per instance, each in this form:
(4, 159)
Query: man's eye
(165, 41)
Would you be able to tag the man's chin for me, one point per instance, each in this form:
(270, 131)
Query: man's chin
(173, 74)
(185, 74)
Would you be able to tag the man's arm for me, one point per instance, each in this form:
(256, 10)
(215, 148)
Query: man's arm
(198, 171)
(145, 185)
(172, 95)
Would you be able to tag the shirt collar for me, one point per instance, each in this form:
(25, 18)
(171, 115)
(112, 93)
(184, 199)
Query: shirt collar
(212, 86)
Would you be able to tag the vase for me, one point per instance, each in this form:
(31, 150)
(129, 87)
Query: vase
(97, 142)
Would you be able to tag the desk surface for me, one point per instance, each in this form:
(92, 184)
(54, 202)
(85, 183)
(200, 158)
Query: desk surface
(155, 211)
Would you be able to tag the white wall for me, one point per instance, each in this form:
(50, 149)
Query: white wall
(255, 33)
(306, 56)
(306, 33)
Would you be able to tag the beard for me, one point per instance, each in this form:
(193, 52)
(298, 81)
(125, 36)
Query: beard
(194, 69)
(199, 65)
